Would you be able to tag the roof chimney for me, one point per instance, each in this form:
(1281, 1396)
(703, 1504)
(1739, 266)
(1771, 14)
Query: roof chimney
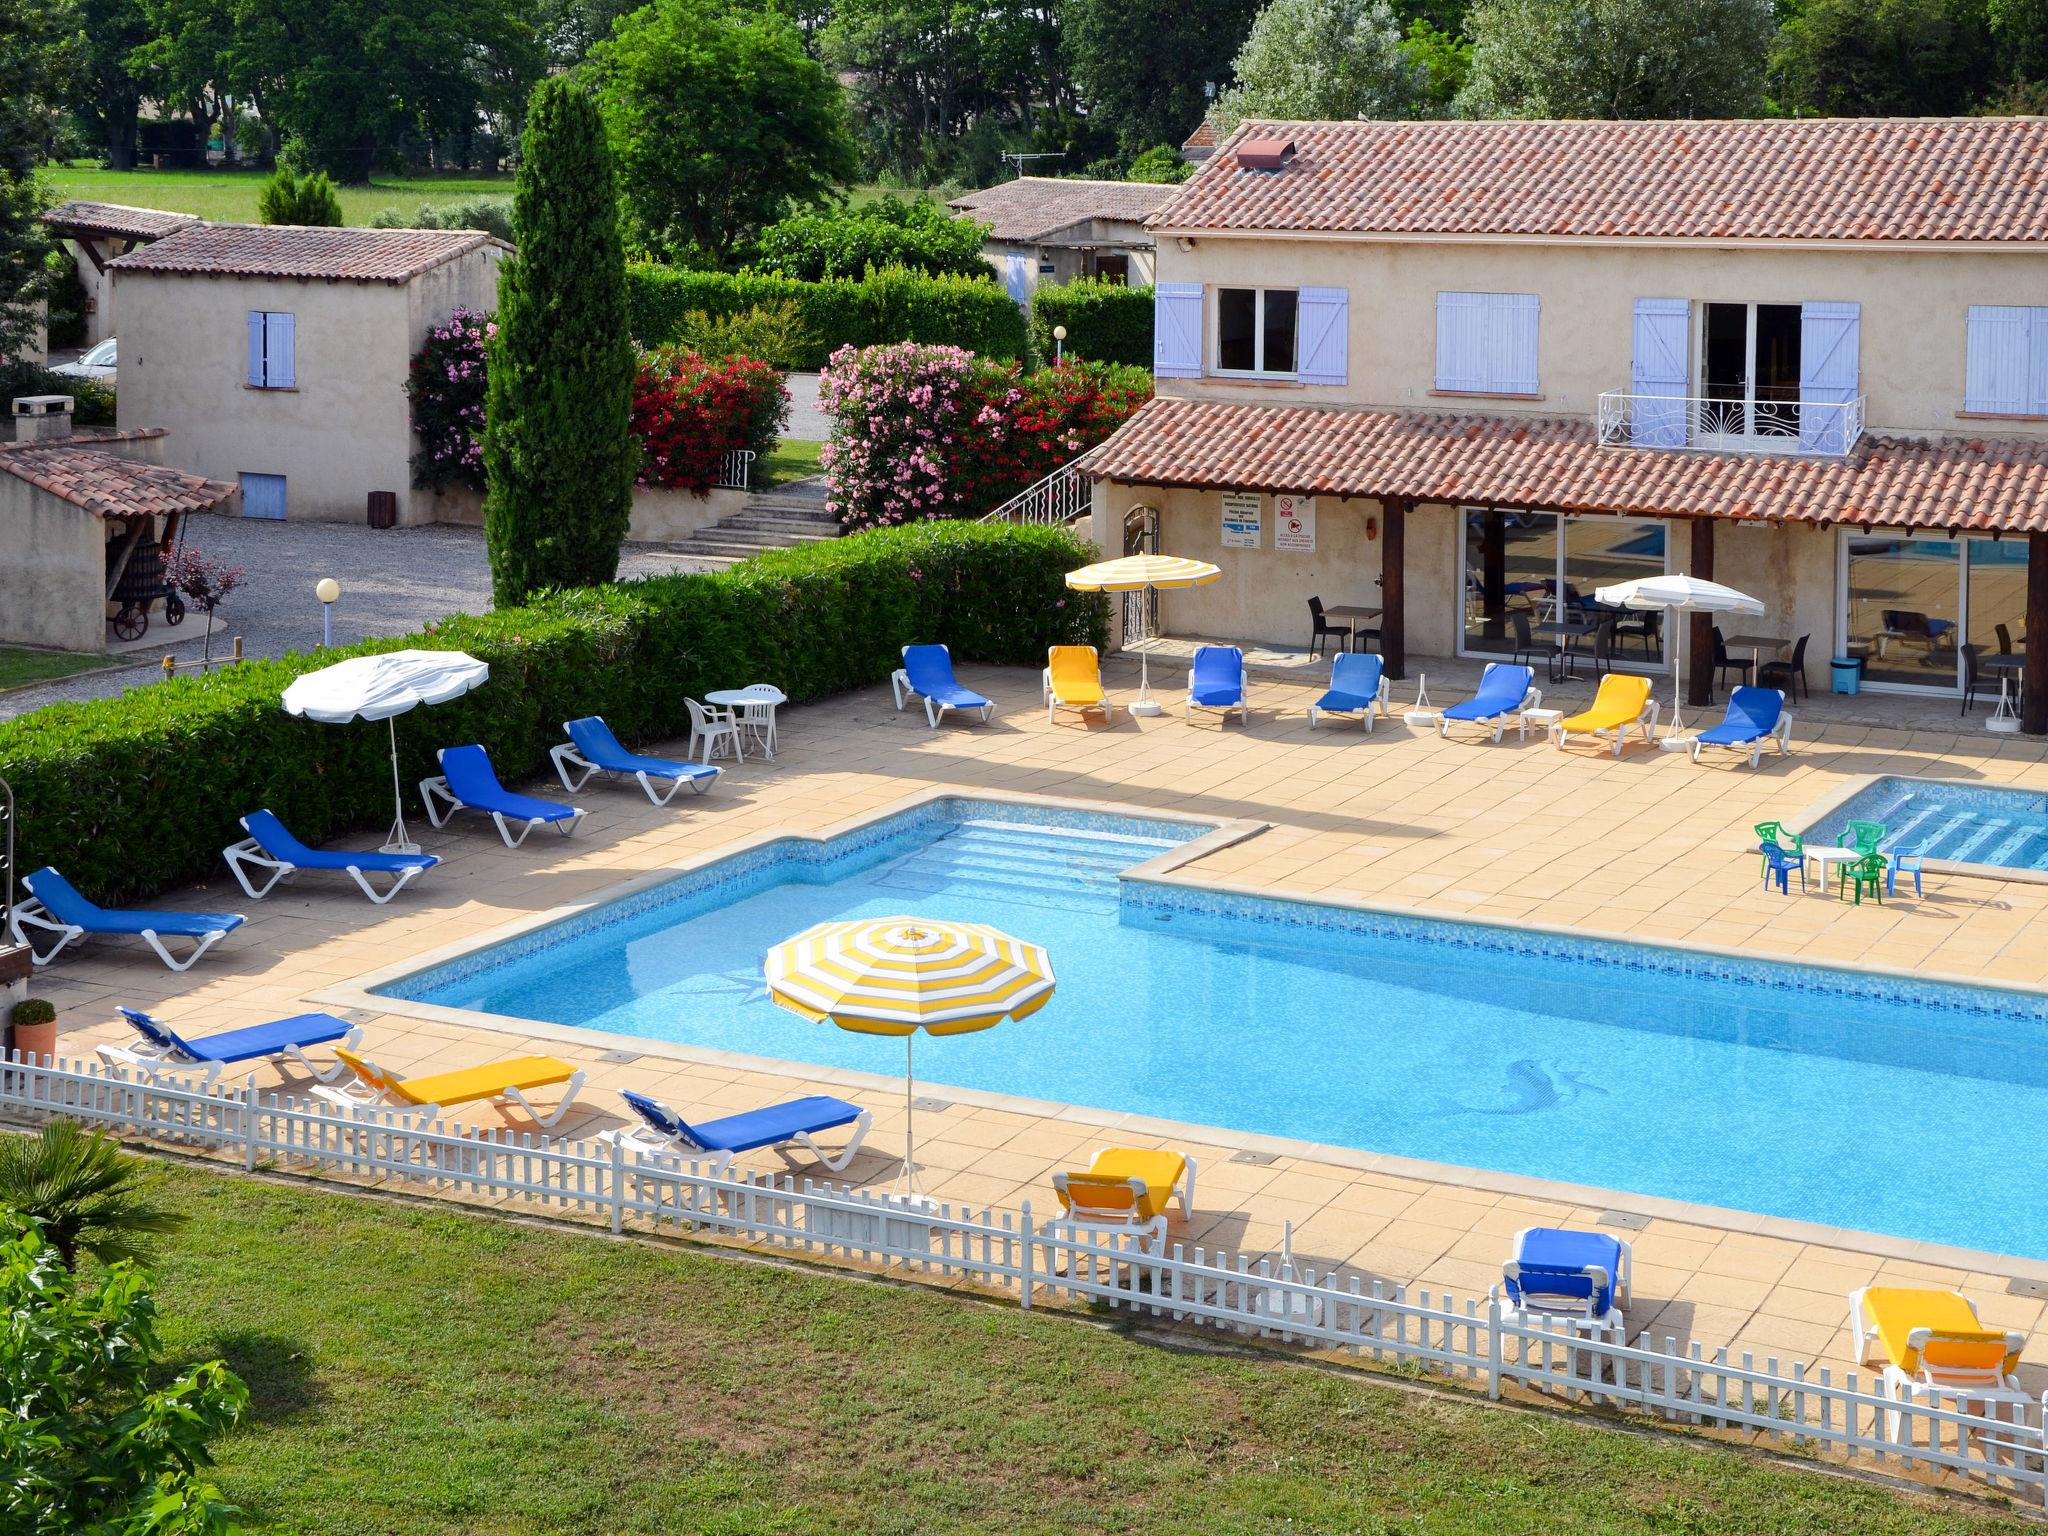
(1264, 154)
(37, 417)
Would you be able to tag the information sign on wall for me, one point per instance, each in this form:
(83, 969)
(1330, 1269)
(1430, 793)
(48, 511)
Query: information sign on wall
(1243, 516)
(1294, 524)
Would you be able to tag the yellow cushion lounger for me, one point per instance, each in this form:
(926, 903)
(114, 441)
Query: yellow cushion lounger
(1073, 680)
(1930, 1342)
(505, 1081)
(1125, 1190)
(1622, 701)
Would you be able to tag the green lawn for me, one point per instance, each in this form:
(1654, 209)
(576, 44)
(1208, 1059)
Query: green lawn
(429, 1371)
(19, 668)
(793, 459)
(230, 196)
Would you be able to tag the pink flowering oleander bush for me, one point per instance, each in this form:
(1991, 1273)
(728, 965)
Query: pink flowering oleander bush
(446, 387)
(932, 431)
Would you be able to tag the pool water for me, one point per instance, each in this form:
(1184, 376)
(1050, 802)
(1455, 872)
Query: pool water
(1960, 823)
(1891, 1106)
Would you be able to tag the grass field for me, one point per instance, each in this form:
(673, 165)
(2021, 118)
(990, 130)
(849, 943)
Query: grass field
(793, 459)
(429, 1371)
(18, 667)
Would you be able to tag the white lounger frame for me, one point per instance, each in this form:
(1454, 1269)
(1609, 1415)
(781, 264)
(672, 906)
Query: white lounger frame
(1780, 733)
(1054, 703)
(358, 1095)
(437, 788)
(33, 914)
(1533, 699)
(1570, 1310)
(1619, 736)
(249, 852)
(1964, 1387)
(159, 1062)
(899, 683)
(651, 1144)
(566, 757)
(1151, 1234)
(1380, 701)
(1242, 708)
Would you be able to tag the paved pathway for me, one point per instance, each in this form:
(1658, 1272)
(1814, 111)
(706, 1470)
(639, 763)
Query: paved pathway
(806, 420)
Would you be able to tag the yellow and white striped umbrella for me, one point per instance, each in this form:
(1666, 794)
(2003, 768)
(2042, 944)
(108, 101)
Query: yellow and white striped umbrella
(897, 975)
(1134, 573)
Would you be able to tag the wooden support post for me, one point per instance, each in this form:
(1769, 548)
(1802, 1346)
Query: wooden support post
(137, 527)
(1394, 588)
(1699, 644)
(2034, 675)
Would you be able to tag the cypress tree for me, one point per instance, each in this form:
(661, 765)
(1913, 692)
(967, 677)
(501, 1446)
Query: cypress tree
(559, 453)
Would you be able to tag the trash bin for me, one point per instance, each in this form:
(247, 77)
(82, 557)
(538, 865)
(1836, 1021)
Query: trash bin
(1848, 674)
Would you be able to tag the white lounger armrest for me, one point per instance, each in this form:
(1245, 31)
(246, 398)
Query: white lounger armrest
(434, 789)
(899, 683)
(249, 853)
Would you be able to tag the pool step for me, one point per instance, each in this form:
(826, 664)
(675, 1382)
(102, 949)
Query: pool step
(1022, 864)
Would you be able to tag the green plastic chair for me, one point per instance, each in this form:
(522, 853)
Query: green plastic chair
(1774, 832)
(1864, 836)
(1867, 871)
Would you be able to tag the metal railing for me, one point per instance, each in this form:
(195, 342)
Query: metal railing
(1059, 497)
(1483, 1344)
(736, 470)
(1826, 428)
(6, 856)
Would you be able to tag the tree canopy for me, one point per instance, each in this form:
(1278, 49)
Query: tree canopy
(1323, 59)
(1884, 58)
(1616, 58)
(1142, 65)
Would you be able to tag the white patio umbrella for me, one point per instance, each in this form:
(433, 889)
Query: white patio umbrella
(1677, 594)
(383, 687)
(1136, 573)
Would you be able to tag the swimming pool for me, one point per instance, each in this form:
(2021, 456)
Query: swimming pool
(1955, 823)
(1875, 1103)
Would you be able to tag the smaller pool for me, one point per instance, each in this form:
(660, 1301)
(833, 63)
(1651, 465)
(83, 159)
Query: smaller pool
(1956, 823)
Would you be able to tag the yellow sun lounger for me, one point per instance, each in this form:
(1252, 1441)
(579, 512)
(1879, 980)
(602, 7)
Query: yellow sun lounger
(1125, 1190)
(1931, 1344)
(504, 1081)
(1622, 701)
(1073, 680)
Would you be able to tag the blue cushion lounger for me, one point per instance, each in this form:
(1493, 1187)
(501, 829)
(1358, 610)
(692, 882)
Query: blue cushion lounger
(927, 673)
(593, 748)
(664, 1133)
(60, 909)
(163, 1048)
(1504, 689)
(1358, 687)
(1216, 681)
(270, 845)
(1755, 715)
(1578, 1278)
(469, 783)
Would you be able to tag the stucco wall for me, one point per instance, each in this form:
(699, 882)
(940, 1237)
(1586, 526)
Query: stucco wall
(52, 571)
(99, 289)
(344, 431)
(1912, 334)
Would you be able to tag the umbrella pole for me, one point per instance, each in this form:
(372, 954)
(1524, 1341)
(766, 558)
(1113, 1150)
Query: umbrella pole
(1682, 622)
(398, 841)
(1144, 704)
(908, 1180)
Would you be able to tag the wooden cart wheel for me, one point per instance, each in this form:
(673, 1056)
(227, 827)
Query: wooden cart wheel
(131, 623)
(174, 609)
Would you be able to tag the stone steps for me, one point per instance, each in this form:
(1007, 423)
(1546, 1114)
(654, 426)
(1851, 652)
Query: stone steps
(781, 518)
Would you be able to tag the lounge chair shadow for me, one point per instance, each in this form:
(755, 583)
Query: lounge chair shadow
(277, 1369)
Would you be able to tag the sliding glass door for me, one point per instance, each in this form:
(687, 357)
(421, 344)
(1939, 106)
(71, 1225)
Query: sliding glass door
(1910, 605)
(1525, 569)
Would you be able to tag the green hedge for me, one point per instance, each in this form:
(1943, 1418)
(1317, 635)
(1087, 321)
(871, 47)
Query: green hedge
(131, 795)
(887, 306)
(1106, 322)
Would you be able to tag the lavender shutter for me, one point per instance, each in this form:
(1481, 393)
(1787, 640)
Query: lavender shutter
(1511, 342)
(1177, 331)
(1829, 342)
(280, 351)
(255, 379)
(1658, 375)
(1997, 363)
(1460, 343)
(1323, 321)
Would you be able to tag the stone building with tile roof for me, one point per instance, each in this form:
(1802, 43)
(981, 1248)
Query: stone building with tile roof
(1050, 229)
(1465, 373)
(277, 356)
(94, 234)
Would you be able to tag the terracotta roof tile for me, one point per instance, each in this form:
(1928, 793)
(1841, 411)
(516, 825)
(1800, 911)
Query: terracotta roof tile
(1204, 136)
(105, 484)
(1958, 484)
(115, 219)
(286, 250)
(1032, 207)
(1980, 179)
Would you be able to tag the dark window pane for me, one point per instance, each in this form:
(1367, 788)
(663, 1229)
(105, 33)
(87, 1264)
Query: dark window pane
(1279, 330)
(1237, 328)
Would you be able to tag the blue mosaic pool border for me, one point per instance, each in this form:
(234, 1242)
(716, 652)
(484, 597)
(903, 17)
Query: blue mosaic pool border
(1142, 896)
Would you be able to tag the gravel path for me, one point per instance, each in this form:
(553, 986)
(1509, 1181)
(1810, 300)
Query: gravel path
(806, 421)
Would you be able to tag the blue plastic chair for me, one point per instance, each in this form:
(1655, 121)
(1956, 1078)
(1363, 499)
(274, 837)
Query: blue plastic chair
(1754, 716)
(927, 673)
(1779, 865)
(468, 782)
(593, 747)
(664, 1133)
(163, 1047)
(1578, 1278)
(1505, 688)
(270, 845)
(59, 908)
(1358, 688)
(1911, 863)
(1216, 681)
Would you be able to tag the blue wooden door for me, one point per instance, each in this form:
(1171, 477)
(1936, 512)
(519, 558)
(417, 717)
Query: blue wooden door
(263, 496)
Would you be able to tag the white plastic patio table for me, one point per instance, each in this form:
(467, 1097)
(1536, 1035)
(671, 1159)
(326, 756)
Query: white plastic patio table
(1827, 855)
(754, 707)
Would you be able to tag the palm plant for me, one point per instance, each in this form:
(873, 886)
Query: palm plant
(85, 1190)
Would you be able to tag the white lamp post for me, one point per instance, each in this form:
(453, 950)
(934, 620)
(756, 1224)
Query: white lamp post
(327, 591)
(1059, 343)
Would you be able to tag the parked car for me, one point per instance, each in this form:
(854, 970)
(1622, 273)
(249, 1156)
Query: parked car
(95, 363)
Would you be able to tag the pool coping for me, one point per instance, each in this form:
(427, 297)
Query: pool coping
(1827, 805)
(1170, 869)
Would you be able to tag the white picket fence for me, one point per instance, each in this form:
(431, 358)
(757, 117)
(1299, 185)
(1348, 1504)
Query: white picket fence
(1791, 1408)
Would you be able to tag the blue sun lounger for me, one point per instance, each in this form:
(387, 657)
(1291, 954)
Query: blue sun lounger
(927, 673)
(1216, 681)
(469, 783)
(59, 908)
(165, 1050)
(664, 1133)
(1504, 689)
(595, 749)
(1755, 715)
(1358, 687)
(270, 845)
(1579, 1279)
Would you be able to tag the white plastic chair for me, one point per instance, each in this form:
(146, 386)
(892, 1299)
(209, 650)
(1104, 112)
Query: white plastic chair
(713, 727)
(759, 717)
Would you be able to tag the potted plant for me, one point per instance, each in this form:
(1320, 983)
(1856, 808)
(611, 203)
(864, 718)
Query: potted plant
(32, 1029)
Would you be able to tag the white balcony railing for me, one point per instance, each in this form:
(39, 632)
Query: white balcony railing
(1060, 497)
(1827, 428)
(736, 469)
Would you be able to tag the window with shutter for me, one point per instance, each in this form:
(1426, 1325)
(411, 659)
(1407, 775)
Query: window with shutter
(1177, 331)
(273, 350)
(1324, 317)
(2005, 372)
(1486, 343)
(1659, 372)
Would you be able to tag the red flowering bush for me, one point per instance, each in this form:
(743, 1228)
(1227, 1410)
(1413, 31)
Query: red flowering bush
(689, 412)
(446, 387)
(1040, 421)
